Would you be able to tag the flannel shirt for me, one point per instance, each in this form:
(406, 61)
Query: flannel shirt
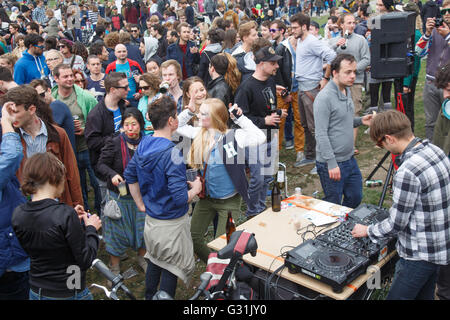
(420, 213)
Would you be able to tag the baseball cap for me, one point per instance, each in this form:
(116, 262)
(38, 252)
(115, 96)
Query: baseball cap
(266, 54)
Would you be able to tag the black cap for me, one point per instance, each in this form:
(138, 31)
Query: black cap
(266, 54)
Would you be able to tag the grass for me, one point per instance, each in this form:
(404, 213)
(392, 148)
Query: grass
(367, 160)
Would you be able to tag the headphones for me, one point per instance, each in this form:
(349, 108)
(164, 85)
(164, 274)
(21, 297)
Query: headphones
(400, 158)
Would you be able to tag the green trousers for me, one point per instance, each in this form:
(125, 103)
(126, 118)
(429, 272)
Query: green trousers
(203, 215)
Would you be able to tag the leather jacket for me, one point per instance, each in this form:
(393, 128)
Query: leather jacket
(52, 235)
(283, 76)
(219, 89)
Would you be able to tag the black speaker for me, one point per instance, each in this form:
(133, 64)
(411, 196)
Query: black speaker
(392, 45)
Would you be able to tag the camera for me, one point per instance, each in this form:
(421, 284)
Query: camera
(438, 22)
(163, 88)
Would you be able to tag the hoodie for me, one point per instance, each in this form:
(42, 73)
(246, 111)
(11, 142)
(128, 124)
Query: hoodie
(205, 58)
(151, 46)
(334, 123)
(29, 68)
(159, 169)
(245, 62)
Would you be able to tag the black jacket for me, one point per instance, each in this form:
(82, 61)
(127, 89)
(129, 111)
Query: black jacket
(429, 10)
(99, 128)
(283, 76)
(205, 60)
(52, 235)
(110, 162)
(219, 89)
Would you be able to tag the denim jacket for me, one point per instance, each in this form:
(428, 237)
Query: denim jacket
(11, 154)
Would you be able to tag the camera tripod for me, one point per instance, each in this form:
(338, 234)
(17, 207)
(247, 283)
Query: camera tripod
(388, 179)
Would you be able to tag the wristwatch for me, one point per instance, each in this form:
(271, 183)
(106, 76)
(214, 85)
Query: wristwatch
(328, 79)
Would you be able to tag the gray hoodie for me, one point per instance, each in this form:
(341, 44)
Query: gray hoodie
(151, 46)
(334, 123)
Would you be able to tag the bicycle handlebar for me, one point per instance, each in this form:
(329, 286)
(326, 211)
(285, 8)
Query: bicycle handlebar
(116, 280)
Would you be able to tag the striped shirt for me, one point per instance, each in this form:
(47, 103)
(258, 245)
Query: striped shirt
(420, 213)
(38, 144)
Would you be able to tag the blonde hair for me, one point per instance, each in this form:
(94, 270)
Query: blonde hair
(200, 147)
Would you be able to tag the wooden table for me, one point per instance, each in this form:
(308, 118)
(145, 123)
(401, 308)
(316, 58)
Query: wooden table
(276, 233)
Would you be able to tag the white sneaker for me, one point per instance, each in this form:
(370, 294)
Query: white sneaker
(313, 170)
(300, 156)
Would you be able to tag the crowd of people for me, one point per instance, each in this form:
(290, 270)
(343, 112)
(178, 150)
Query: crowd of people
(125, 98)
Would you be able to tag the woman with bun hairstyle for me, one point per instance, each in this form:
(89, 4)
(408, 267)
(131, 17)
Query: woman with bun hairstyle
(219, 151)
(57, 239)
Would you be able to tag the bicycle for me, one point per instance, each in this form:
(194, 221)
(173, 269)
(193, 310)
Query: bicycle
(116, 280)
(241, 243)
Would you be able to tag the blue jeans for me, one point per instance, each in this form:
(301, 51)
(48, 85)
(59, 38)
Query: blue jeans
(84, 164)
(413, 280)
(349, 186)
(288, 135)
(154, 276)
(78, 35)
(83, 295)
(261, 174)
(14, 286)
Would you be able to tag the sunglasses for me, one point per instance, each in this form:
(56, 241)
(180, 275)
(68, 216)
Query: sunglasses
(42, 94)
(273, 30)
(40, 47)
(380, 142)
(145, 87)
(124, 87)
(59, 47)
(445, 11)
(134, 30)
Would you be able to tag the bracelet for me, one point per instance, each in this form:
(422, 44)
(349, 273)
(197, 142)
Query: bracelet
(328, 79)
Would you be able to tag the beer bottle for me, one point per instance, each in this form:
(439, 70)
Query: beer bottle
(230, 227)
(276, 198)
(280, 180)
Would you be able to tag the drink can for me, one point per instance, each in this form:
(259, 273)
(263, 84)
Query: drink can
(122, 188)
(373, 183)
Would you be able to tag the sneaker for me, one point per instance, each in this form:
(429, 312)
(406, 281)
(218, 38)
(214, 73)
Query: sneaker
(304, 162)
(313, 170)
(289, 145)
(300, 156)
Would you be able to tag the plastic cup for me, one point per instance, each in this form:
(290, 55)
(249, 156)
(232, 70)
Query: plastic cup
(122, 188)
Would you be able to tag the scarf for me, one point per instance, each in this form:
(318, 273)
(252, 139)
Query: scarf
(123, 147)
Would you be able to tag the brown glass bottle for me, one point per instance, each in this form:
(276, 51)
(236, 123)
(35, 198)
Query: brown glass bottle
(276, 198)
(230, 227)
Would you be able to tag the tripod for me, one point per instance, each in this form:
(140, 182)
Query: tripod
(398, 88)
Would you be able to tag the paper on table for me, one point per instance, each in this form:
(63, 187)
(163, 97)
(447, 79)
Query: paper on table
(330, 208)
(318, 219)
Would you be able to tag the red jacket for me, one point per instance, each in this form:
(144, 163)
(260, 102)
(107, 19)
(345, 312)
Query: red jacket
(133, 66)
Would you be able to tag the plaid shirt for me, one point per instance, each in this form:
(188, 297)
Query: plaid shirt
(420, 213)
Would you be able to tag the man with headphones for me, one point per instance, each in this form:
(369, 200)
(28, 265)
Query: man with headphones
(419, 215)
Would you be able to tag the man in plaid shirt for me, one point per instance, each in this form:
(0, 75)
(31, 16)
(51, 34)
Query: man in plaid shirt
(420, 213)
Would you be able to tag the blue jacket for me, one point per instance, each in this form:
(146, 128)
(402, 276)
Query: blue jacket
(161, 177)
(11, 253)
(174, 52)
(29, 68)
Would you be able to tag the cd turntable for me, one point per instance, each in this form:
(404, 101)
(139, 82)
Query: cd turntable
(335, 257)
(328, 264)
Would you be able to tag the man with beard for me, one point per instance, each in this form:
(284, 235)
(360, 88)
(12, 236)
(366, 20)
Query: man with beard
(310, 56)
(32, 65)
(257, 98)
